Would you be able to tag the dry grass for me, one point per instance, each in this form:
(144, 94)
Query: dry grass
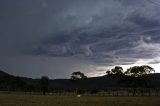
(52, 100)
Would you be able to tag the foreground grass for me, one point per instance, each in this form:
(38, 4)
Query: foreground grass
(52, 100)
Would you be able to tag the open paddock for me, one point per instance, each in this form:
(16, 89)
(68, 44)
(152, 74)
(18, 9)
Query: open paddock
(19, 99)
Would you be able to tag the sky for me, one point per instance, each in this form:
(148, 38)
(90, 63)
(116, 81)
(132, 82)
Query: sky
(58, 37)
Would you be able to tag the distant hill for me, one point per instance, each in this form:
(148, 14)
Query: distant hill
(103, 82)
(14, 83)
(3, 74)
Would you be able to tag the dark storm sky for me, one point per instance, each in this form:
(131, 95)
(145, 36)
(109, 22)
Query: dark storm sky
(57, 37)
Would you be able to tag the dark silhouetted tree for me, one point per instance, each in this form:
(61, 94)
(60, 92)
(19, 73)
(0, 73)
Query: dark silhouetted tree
(138, 71)
(117, 75)
(44, 82)
(78, 78)
(138, 76)
(117, 71)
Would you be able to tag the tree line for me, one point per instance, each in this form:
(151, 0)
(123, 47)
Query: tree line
(137, 77)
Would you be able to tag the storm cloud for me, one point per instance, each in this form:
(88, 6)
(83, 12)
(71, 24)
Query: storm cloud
(87, 34)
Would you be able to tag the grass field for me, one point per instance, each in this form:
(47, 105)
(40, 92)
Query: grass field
(52, 100)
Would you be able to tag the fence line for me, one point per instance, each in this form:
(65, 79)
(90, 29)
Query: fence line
(110, 92)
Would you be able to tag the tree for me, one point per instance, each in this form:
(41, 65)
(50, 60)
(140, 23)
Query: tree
(77, 78)
(44, 82)
(138, 71)
(117, 71)
(117, 74)
(138, 76)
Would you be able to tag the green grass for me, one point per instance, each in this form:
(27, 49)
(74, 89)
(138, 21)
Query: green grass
(52, 100)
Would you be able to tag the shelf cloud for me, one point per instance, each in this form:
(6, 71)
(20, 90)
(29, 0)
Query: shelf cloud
(90, 33)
